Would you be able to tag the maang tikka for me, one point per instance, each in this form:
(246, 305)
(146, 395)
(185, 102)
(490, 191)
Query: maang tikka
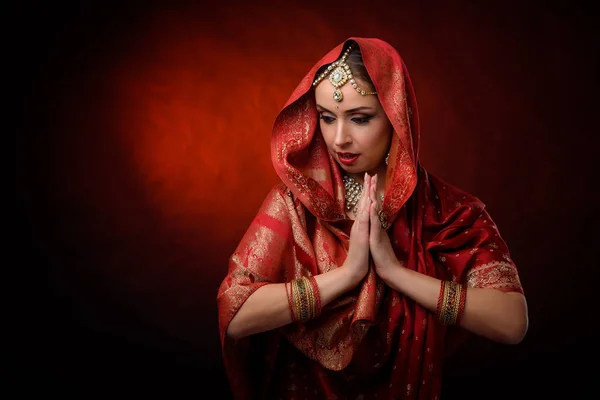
(340, 73)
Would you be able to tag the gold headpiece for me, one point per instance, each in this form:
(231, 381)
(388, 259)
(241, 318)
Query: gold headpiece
(340, 73)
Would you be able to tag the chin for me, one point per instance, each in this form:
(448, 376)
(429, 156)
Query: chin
(353, 169)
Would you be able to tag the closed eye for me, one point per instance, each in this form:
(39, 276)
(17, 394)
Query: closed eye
(361, 120)
(326, 119)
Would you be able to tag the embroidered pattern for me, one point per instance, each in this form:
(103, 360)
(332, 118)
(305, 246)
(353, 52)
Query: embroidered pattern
(496, 274)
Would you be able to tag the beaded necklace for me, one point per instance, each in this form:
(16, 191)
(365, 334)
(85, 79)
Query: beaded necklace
(353, 193)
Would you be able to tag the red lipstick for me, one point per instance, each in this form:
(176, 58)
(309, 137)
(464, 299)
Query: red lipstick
(348, 158)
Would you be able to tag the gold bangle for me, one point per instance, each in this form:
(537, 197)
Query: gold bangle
(455, 303)
(296, 297)
(310, 298)
(449, 308)
(303, 300)
(306, 303)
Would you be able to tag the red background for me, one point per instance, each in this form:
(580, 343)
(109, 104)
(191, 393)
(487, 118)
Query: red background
(142, 155)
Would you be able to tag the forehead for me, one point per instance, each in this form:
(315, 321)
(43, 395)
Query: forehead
(352, 99)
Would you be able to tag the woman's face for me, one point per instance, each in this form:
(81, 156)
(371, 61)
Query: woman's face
(356, 130)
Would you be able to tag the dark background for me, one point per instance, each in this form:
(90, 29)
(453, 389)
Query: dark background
(142, 154)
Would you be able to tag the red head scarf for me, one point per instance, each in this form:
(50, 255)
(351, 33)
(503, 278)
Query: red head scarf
(372, 340)
(300, 155)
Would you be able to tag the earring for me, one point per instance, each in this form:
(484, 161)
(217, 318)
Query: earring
(387, 158)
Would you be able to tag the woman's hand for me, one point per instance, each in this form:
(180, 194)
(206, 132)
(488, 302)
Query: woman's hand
(357, 261)
(379, 242)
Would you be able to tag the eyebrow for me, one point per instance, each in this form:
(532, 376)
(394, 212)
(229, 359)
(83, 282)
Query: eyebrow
(352, 110)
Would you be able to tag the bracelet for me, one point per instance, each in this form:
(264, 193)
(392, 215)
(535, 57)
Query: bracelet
(451, 302)
(290, 303)
(304, 299)
(461, 303)
(316, 295)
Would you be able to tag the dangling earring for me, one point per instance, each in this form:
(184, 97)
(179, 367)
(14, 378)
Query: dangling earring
(387, 159)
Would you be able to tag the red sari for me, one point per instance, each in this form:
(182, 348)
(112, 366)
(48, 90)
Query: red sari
(373, 341)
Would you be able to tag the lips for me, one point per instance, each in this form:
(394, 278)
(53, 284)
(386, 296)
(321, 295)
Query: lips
(348, 158)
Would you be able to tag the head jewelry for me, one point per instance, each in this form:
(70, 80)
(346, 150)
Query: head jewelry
(340, 73)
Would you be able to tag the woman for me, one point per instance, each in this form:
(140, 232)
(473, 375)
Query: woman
(356, 272)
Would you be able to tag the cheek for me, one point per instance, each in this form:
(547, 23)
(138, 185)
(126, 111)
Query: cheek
(386, 132)
(328, 134)
(382, 138)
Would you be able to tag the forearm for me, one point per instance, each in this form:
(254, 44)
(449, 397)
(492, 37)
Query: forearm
(496, 315)
(268, 307)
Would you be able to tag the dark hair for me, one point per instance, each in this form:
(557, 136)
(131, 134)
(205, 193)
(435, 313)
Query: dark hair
(357, 66)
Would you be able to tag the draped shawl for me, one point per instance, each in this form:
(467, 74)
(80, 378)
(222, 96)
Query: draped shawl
(371, 340)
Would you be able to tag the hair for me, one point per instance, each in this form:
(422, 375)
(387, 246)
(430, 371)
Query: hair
(357, 66)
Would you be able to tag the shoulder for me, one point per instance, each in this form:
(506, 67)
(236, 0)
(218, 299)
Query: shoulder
(277, 202)
(448, 193)
(449, 206)
(279, 193)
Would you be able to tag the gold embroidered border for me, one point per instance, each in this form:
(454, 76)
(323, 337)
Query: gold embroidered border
(496, 275)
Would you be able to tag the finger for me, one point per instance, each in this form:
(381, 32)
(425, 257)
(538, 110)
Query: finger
(373, 180)
(364, 190)
(365, 199)
(375, 197)
(375, 225)
(373, 191)
(361, 203)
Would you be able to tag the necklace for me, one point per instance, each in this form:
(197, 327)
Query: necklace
(353, 193)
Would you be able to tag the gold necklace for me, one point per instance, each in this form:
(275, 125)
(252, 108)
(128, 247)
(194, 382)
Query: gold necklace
(353, 193)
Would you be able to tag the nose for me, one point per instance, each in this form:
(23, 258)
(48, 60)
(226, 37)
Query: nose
(342, 136)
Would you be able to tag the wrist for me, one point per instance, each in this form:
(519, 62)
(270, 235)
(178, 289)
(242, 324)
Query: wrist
(351, 276)
(394, 275)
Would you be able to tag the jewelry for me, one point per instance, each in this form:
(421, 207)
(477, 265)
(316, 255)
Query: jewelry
(451, 302)
(387, 158)
(291, 301)
(304, 299)
(382, 219)
(340, 73)
(354, 193)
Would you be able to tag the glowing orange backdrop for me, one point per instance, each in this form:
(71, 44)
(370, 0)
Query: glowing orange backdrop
(144, 154)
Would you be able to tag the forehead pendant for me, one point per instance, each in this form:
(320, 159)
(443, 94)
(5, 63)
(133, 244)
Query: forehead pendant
(339, 73)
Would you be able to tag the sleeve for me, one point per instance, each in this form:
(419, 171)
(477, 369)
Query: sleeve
(258, 258)
(477, 255)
